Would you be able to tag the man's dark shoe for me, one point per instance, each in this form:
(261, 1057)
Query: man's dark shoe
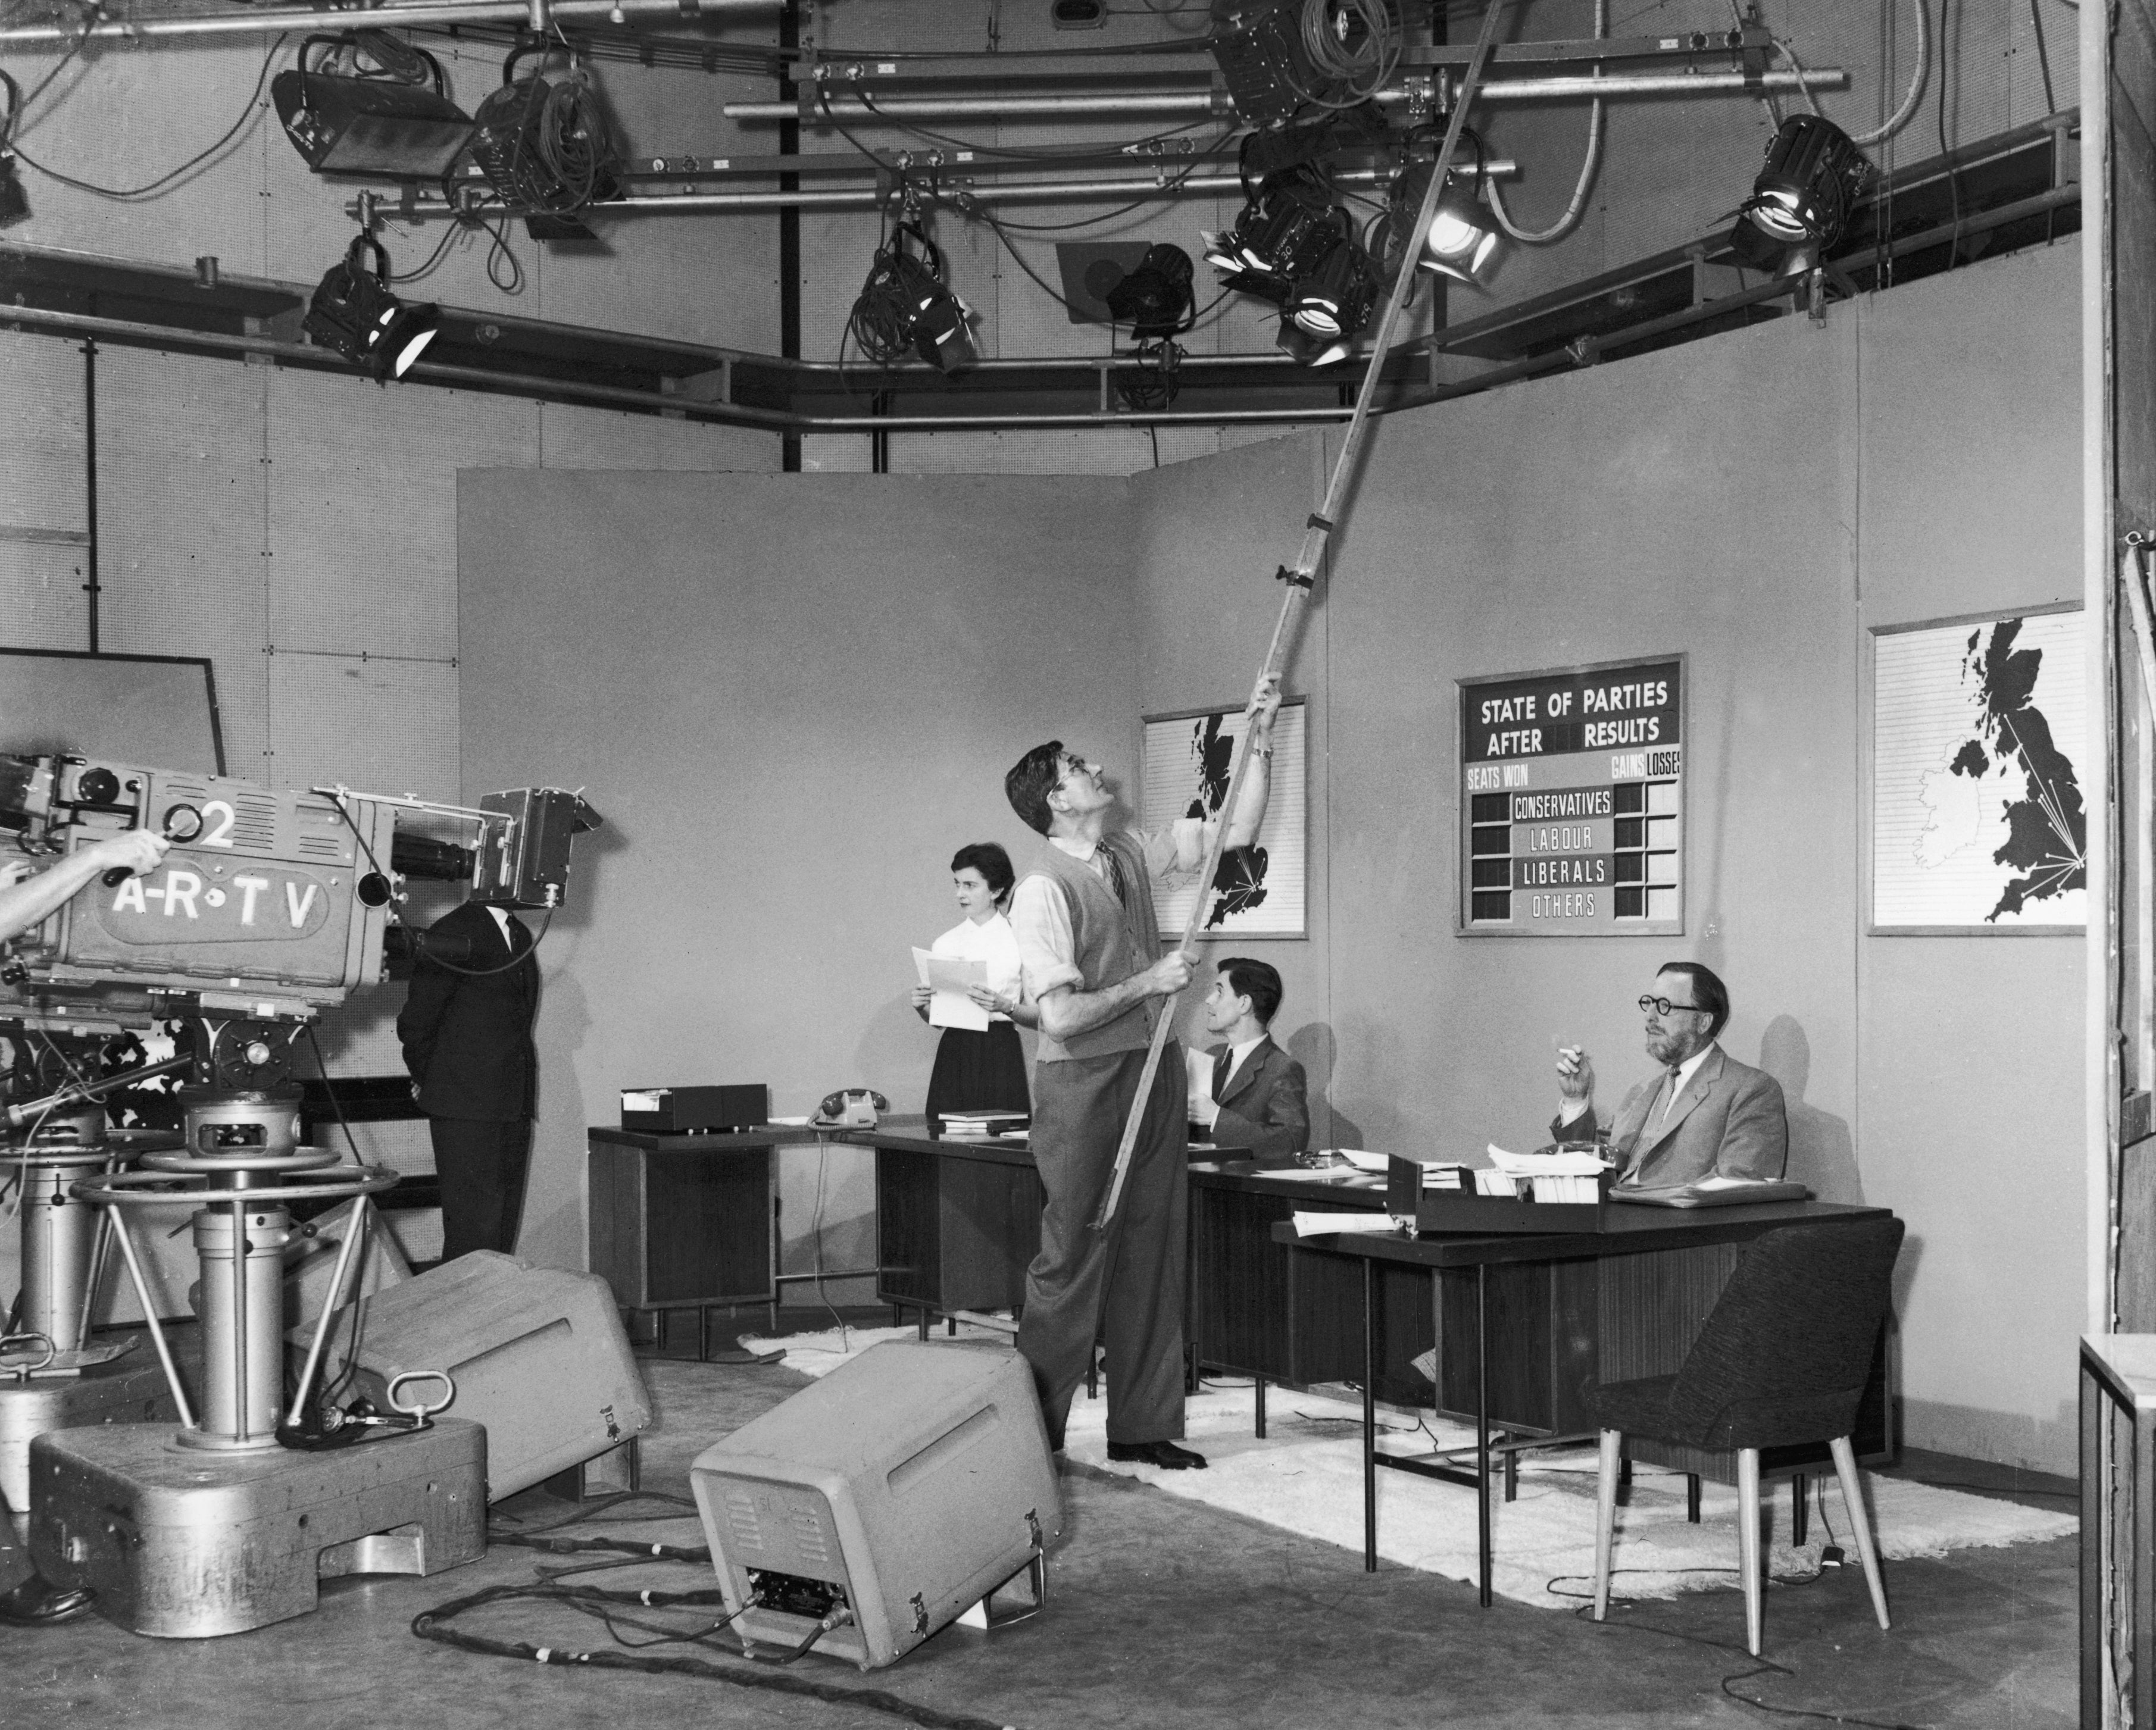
(37, 1603)
(1165, 1455)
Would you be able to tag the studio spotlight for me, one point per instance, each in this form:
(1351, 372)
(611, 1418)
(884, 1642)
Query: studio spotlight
(386, 124)
(14, 204)
(1155, 299)
(1463, 238)
(354, 312)
(1307, 349)
(1801, 202)
(906, 305)
(1333, 293)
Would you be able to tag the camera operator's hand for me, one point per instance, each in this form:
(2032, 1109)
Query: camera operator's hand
(138, 850)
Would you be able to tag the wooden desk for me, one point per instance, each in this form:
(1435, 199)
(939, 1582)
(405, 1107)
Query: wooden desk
(957, 1223)
(1529, 1323)
(680, 1222)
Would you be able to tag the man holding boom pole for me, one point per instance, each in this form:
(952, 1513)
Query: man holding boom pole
(1087, 939)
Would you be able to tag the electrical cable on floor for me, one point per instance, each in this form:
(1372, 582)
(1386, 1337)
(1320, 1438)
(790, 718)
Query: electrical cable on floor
(598, 1507)
(432, 1625)
(1763, 1666)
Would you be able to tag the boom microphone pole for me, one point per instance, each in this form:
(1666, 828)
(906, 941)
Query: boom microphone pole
(1302, 576)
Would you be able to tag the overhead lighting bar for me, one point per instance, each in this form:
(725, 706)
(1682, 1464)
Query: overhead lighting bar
(270, 22)
(867, 197)
(1200, 103)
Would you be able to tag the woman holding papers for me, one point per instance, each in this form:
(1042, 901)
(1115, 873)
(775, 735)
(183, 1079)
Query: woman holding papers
(979, 1064)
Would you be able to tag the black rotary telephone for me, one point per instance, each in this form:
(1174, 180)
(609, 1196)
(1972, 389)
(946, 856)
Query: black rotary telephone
(850, 1108)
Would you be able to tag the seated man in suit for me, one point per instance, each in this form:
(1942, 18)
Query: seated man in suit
(1257, 1093)
(1706, 1118)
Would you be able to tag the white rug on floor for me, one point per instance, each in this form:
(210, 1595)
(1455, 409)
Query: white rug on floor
(1307, 1478)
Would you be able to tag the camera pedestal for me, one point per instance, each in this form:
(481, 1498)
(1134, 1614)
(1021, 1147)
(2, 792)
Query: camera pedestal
(180, 1544)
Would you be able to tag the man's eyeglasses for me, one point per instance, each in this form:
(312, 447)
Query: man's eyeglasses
(1662, 1006)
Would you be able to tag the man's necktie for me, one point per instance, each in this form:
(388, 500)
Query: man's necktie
(1116, 887)
(1669, 1097)
(1221, 1066)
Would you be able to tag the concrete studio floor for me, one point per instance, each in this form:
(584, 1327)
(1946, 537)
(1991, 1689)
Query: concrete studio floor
(1160, 1612)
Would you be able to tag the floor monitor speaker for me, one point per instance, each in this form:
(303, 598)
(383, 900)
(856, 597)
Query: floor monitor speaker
(887, 1499)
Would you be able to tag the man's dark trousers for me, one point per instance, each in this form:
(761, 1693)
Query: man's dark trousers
(1125, 1285)
(482, 1167)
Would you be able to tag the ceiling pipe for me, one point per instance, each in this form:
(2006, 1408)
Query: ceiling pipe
(963, 192)
(1200, 104)
(136, 333)
(269, 21)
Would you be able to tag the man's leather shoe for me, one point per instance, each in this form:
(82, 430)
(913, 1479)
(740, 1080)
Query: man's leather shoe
(37, 1603)
(1165, 1455)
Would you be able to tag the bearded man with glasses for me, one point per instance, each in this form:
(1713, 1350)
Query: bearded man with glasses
(1706, 1119)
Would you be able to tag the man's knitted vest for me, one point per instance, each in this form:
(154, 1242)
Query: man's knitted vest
(1109, 941)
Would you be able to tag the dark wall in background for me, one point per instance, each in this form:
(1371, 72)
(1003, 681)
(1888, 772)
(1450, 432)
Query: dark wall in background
(793, 698)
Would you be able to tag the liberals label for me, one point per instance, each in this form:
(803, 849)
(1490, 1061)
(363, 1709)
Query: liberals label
(1572, 801)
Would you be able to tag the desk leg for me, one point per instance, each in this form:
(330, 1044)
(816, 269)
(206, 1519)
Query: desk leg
(921, 1321)
(1481, 1422)
(2144, 1570)
(1369, 1418)
(2093, 1411)
(1259, 1384)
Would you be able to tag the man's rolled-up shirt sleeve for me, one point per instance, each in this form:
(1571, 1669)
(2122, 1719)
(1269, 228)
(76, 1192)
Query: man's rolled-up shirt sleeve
(1047, 953)
(1179, 849)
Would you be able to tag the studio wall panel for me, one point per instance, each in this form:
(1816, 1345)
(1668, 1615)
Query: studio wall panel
(792, 697)
(183, 483)
(42, 479)
(362, 508)
(41, 596)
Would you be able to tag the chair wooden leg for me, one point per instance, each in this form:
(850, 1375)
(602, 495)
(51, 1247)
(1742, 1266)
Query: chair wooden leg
(1605, 1517)
(1747, 1543)
(1852, 1492)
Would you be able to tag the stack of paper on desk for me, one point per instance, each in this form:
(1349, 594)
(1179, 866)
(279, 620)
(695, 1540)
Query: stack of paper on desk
(984, 1123)
(1558, 1176)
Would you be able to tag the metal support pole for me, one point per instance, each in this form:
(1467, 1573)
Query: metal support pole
(266, 21)
(150, 1316)
(1200, 103)
(1370, 1408)
(361, 1225)
(1302, 576)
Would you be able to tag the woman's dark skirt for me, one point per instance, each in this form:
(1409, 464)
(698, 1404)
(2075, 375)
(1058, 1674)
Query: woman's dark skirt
(978, 1072)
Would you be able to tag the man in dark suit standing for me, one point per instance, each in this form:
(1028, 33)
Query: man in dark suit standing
(1258, 1092)
(1706, 1118)
(466, 1028)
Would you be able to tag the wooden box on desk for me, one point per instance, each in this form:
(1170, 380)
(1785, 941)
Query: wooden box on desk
(676, 1220)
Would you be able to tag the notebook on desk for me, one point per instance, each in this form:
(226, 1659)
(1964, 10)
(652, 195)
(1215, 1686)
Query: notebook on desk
(1714, 1195)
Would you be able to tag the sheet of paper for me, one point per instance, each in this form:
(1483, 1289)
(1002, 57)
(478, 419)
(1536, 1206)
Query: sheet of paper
(1320, 1224)
(948, 976)
(1197, 1086)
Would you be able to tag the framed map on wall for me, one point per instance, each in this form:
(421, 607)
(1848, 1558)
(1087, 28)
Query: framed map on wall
(1261, 893)
(1978, 728)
